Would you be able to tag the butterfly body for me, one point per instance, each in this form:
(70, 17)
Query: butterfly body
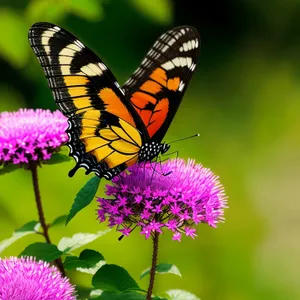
(111, 128)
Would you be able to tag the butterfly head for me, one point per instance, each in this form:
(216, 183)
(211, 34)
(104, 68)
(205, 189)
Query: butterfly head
(151, 150)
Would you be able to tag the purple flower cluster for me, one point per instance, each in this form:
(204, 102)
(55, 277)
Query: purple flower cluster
(31, 135)
(174, 195)
(27, 279)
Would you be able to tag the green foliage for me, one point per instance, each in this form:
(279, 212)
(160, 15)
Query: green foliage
(42, 251)
(87, 262)
(91, 10)
(45, 10)
(121, 296)
(162, 269)
(8, 169)
(57, 158)
(54, 11)
(114, 278)
(84, 197)
(13, 46)
(78, 240)
(180, 294)
(28, 228)
(59, 221)
(160, 11)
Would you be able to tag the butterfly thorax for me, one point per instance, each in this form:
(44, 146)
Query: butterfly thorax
(151, 150)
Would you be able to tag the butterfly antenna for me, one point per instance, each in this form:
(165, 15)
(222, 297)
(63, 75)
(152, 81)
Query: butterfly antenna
(186, 138)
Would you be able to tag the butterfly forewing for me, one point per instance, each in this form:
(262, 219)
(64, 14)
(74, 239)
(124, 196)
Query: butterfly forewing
(102, 130)
(156, 88)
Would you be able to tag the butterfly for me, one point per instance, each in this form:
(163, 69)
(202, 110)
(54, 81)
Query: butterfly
(113, 127)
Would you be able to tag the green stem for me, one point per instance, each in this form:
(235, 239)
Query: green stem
(33, 169)
(153, 266)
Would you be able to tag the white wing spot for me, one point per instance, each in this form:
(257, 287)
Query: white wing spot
(183, 61)
(165, 48)
(168, 65)
(171, 42)
(91, 70)
(189, 62)
(65, 57)
(176, 61)
(102, 66)
(194, 44)
(185, 47)
(78, 43)
(56, 28)
(74, 47)
(182, 31)
(46, 36)
(181, 86)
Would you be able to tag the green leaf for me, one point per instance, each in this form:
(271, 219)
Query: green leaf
(114, 278)
(95, 293)
(91, 10)
(160, 11)
(181, 294)
(13, 45)
(28, 228)
(59, 221)
(42, 251)
(162, 269)
(84, 197)
(57, 158)
(8, 168)
(32, 226)
(121, 296)
(89, 261)
(64, 150)
(91, 256)
(79, 240)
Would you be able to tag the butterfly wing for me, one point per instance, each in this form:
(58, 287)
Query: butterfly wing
(102, 124)
(156, 88)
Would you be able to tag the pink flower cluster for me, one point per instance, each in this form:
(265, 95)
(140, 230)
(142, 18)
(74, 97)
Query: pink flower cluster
(174, 195)
(31, 135)
(27, 279)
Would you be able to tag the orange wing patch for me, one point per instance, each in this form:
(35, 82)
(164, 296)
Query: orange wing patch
(140, 99)
(173, 83)
(151, 86)
(159, 116)
(160, 76)
(114, 105)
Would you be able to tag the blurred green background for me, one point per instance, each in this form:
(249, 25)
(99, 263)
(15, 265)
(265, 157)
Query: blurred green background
(243, 100)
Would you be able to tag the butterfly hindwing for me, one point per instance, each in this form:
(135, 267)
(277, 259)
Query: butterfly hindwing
(156, 88)
(103, 135)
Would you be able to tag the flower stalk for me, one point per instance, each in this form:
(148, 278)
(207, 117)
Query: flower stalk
(39, 206)
(155, 238)
(33, 168)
